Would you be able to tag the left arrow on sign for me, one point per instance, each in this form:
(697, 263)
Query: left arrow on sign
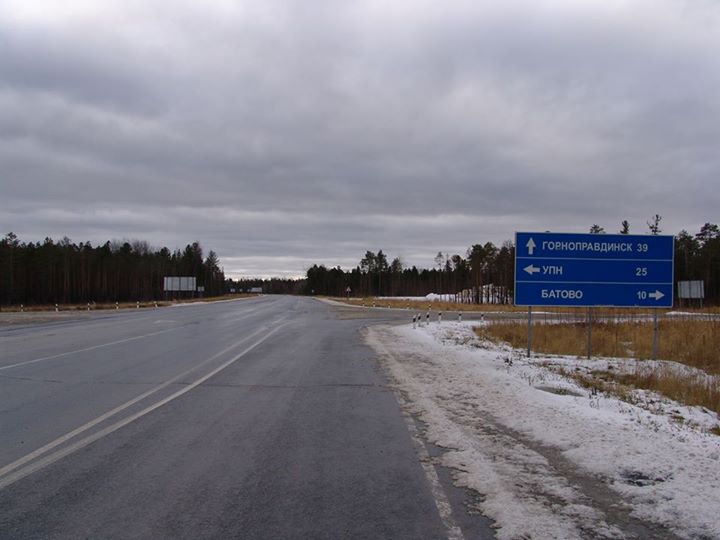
(531, 269)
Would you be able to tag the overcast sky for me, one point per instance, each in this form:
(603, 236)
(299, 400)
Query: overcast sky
(281, 133)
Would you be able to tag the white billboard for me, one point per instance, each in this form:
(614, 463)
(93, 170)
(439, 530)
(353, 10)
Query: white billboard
(179, 283)
(691, 289)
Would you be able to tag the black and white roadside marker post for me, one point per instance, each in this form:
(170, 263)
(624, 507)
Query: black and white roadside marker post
(459, 317)
(414, 325)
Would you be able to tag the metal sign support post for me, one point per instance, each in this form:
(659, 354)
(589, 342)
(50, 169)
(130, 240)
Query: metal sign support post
(655, 335)
(529, 330)
(589, 333)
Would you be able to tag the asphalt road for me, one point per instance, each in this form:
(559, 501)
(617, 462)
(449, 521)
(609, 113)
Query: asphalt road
(258, 418)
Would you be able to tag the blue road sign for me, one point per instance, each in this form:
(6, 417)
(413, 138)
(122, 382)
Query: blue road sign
(618, 270)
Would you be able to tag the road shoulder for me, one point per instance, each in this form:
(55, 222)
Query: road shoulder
(534, 456)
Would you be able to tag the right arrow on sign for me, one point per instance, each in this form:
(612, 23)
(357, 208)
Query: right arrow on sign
(657, 295)
(531, 246)
(531, 269)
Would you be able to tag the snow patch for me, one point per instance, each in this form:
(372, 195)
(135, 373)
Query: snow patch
(514, 428)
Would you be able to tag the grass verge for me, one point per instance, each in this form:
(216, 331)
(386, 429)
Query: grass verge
(120, 305)
(692, 343)
(423, 305)
(560, 312)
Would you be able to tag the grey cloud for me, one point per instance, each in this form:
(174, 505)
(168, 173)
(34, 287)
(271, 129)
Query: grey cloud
(292, 132)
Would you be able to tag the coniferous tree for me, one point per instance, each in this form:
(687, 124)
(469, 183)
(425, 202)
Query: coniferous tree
(654, 224)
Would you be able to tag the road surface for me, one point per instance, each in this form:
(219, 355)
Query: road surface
(257, 418)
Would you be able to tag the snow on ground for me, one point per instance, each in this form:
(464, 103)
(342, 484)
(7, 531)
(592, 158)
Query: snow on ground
(694, 315)
(430, 296)
(549, 459)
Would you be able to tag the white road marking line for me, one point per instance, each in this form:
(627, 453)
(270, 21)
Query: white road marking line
(64, 438)
(87, 324)
(442, 502)
(52, 458)
(94, 347)
(116, 321)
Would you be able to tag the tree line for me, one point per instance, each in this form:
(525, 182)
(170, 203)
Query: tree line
(484, 266)
(487, 271)
(52, 272)
(697, 257)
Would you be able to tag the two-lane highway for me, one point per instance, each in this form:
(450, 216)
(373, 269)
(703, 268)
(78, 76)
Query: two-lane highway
(259, 418)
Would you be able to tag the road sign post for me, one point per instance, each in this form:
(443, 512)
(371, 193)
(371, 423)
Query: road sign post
(593, 270)
(529, 331)
(589, 333)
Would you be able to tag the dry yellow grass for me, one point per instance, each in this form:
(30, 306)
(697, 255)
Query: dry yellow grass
(693, 343)
(437, 305)
(689, 389)
(81, 307)
(423, 305)
(120, 305)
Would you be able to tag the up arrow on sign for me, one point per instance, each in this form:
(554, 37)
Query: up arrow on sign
(531, 246)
